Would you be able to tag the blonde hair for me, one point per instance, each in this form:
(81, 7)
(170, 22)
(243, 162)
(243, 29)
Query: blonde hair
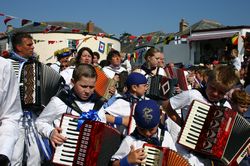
(223, 76)
(240, 97)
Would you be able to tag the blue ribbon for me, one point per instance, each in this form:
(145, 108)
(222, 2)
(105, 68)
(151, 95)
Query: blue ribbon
(91, 115)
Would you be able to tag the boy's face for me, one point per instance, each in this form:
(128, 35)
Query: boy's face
(116, 60)
(240, 108)
(215, 92)
(141, 89)
(84, 87)
(147, 132)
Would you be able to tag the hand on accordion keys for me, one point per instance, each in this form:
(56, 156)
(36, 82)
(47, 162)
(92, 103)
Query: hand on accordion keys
(56, 138)
(136, 156)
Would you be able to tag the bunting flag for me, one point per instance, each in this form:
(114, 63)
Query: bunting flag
(235, 38)
(75, 30)
(101, 34)
(1, 14)
(38, 41)
(101, 47)
(87, 38)
(7, 19)
(24, 22)
(148, 38)
(168, 39)
(184, 39)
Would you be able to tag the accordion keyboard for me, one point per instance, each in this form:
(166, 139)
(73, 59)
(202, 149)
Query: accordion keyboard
(64, 154)
(154, 156)
(194, 123)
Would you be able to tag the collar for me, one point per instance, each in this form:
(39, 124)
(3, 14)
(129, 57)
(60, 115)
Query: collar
(151, 140)
(17, 57)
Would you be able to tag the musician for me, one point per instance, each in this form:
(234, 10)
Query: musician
(220, 81)
(23, 51)
(83, 80)
(240, 101)
(120, 107)
(114, 68)
(147, 118)
(150, 67)
(62, 56)
(84, 56)
(10, 111)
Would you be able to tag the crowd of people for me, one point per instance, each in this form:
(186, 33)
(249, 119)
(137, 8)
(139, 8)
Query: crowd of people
(29, 137)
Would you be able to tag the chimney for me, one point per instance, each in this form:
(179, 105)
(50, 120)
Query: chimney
(183, 25)
(90, 27)
(9, 28)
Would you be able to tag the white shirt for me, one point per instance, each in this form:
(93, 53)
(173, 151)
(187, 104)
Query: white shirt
(67, 75)
(111, 71)
(56, 66)
(10, 108)
(124, 148)
(52, 113)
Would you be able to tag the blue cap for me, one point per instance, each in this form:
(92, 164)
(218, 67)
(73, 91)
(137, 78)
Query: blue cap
(136, 79)
(147, 114)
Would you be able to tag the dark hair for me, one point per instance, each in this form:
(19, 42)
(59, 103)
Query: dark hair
(17, 38)
(96, 54)
(111, 54)
(103, 63)
(85, 70)
(79, 54)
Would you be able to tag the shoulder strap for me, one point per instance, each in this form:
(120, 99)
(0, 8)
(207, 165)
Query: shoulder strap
(66, 96)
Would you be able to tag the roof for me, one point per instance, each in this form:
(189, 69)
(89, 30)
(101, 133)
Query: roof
(201, 25)
(68, 27)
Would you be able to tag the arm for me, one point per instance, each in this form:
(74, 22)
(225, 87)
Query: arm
(134, 157)
(10, 109)
(171, 112)
(115, 120)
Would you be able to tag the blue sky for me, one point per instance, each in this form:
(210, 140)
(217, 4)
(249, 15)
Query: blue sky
(132, 16)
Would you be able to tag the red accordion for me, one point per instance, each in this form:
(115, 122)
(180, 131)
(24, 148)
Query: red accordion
(162, 156)
(182, 80)
(218, 132)
(93, 145)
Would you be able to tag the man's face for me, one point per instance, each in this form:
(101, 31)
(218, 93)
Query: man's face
(84, 87)
(26, 49)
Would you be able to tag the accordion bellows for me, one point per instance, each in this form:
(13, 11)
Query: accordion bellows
(38, 83)
(103, 83)
(161, 156)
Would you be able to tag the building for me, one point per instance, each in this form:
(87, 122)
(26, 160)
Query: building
(48, 39)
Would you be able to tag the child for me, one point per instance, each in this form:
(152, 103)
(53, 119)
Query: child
(120, 111)
(147, 118)
(83, 80)
(220, 80)
(240, 101)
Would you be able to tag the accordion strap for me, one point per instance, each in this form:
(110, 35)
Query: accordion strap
(66, 95)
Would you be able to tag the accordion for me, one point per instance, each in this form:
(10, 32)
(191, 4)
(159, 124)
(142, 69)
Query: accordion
(218, 132)
(161, 156)
(103, 83)
(93, 145)
(160, 87)
(182, 79)
(38, 83)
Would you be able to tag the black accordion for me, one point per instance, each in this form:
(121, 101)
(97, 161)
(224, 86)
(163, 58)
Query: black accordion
(160, 87)
(38, 83)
